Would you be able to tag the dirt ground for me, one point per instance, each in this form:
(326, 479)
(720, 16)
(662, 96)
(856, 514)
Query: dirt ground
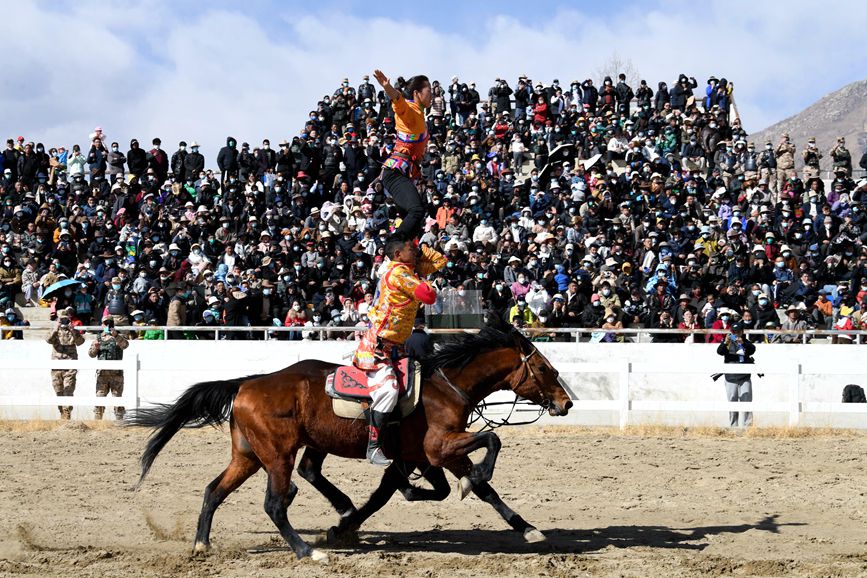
(639, 503)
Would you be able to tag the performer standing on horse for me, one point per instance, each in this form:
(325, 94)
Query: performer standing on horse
(401, 168)
(400, 290)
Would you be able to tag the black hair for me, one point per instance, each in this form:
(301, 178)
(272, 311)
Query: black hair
(416, 83)
(393, 245)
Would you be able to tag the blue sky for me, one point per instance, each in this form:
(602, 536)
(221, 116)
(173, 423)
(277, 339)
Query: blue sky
(200, 71)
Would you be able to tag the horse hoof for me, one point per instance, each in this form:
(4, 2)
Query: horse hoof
(200, 548)
(319, 556)
(534, 536)
(465, 486)
(341, 538)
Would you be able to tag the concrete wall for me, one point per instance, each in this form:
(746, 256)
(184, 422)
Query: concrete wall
(167, 368)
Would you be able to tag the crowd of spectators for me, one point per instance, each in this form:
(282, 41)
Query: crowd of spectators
(558, 205)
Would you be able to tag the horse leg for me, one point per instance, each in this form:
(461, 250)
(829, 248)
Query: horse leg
(457, 446)
(278, 496)
(392, 480)
(437, 479)
(310, 468)
(485, 492)
(236, 473)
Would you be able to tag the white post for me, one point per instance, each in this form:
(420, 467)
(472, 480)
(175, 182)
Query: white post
(134, 367)
(623, 395)
(795, 397)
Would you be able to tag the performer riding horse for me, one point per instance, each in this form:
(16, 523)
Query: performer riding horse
(273, 416)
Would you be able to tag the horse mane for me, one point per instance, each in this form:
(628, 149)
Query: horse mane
(459, 351)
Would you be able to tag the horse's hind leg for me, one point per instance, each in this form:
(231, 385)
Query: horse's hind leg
(485, 492)
(243, 465)
(310, 468)
(278, 496)
(392, 480)
(440, 486)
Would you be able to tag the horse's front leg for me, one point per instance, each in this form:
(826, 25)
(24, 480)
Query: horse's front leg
(450, 449)
(488, 494)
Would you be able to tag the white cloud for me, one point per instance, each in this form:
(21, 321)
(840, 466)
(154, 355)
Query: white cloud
(140, 70)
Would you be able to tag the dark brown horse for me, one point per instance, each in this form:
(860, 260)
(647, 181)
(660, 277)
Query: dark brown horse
(275, 415)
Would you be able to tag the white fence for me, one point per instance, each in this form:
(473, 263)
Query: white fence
(626, 406)
(611, 384)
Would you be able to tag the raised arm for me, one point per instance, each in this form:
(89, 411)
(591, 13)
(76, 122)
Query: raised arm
(383, 81)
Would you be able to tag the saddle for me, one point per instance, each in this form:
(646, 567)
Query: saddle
(347, 387)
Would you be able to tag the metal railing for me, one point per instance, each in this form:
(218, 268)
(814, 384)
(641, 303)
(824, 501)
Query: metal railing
(577, 334)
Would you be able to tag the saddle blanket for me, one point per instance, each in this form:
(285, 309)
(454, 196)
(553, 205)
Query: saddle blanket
(348, 388)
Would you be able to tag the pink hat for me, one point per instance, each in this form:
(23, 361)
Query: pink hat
(594, 297)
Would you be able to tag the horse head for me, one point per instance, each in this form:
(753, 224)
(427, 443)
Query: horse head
(535, 378)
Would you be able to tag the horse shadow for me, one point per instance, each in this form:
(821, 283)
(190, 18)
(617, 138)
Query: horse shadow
(559, 540)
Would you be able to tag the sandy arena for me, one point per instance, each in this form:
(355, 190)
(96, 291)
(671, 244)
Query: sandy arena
(642, 503)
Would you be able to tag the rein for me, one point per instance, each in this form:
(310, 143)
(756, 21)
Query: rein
(477, 413)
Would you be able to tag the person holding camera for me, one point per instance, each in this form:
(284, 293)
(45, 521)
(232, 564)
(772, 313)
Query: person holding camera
(63, 340)
(109, 346)
(737, 348)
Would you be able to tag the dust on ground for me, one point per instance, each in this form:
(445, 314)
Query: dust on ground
(644, 502)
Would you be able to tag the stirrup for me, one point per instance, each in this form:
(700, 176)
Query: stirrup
(377, 458)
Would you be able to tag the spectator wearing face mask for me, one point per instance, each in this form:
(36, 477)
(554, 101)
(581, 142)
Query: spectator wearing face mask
(11, 318)
(724, 321)
(64, 340)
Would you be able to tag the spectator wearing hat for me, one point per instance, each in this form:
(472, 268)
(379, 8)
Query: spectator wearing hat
(117, 302)
(11, 318)
(63, 340)
(785, 160)
(109, 346)
(794, 322)
(736, 348)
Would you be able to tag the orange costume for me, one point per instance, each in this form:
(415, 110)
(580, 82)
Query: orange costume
(391, 315)
(411, 138)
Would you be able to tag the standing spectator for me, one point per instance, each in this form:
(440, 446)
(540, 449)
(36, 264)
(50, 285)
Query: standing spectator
(841, 157)
(194, 163)
(785, 153)
(178, 166)
(63, 340)
(227, 160)
(158, 160)
(177, 313)
(136, 159)
(109, 346)
(737, 348)
(115, 161)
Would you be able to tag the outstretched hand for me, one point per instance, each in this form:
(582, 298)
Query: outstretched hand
(380, 77)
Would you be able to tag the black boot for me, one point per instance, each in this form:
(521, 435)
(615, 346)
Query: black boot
(374, 447)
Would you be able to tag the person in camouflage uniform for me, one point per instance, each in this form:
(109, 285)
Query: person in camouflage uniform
(109, 346)
(768, 167)
(842, 157)
(63, 340)
(785, 154)
(812, 156)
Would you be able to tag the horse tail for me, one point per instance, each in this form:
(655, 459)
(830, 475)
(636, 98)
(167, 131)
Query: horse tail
(205, 403)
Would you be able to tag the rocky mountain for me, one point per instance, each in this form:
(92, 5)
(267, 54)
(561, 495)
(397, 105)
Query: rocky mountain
(840, 113)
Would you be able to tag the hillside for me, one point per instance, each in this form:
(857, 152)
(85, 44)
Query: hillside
(840, 113)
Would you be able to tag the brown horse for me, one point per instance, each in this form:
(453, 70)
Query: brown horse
(275, 415)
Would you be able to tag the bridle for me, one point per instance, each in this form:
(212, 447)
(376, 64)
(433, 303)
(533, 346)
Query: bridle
(477, 413)
(528, 370)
